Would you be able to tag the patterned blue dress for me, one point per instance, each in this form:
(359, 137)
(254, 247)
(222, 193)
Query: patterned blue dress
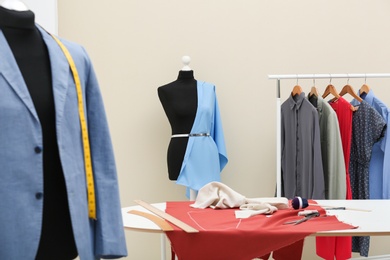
(368, 127)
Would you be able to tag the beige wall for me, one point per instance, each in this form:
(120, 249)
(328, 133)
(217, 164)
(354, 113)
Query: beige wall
(137, 46)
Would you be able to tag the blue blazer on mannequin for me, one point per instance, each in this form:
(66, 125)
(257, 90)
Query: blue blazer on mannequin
(21, 168)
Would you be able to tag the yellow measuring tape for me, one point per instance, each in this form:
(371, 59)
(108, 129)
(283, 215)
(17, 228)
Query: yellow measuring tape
(84, 133)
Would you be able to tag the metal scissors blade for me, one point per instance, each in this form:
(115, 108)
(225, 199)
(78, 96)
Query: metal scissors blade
(296, 222)
(290, 222)
(299, 221)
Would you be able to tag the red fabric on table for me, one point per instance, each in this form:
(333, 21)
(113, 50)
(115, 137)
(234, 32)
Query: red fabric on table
(222, 236)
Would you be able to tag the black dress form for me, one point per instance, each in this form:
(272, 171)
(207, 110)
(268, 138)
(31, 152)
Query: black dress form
(31, 54)
(180, 102)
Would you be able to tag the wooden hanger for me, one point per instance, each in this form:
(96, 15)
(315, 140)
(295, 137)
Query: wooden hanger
(313, 96)
(330, 89)
(297, 90)
(348, 89)
(313, 91)
(364, 89)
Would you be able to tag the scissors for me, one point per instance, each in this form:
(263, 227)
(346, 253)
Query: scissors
(307, 217)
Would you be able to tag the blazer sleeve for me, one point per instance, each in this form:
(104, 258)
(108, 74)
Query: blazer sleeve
(109, 232)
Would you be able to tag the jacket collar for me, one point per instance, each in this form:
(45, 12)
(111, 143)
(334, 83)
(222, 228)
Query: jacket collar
(60, 73)
(10, 71)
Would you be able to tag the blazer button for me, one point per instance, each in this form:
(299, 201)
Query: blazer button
(38, 195)
(38, 149)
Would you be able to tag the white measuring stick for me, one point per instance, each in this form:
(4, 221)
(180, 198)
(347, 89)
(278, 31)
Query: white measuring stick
(177, 222)
(335, 207)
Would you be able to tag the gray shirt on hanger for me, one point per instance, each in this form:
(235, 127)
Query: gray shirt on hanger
(302, 172)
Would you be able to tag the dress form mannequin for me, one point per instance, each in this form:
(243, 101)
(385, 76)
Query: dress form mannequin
(16, 5)
(179, 100)
(31, 55)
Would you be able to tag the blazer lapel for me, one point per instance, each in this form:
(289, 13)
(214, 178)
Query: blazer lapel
(60, 73)
(10, 70)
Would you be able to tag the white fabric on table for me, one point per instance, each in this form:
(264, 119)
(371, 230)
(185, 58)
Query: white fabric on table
(219, 195)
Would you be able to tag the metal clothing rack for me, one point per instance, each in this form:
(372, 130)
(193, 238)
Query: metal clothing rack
(278, 78)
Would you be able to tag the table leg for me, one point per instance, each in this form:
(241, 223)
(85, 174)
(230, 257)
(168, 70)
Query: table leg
(163, 247)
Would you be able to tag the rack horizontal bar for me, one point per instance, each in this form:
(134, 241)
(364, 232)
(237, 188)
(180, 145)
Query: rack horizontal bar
(330, 76)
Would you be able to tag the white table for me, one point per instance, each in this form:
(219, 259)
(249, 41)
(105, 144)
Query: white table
(373, 223)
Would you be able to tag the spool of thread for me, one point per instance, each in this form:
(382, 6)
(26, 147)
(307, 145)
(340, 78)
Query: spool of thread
(299, 203)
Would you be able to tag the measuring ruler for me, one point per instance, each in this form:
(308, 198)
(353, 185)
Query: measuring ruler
(162, 223)
(177, 222)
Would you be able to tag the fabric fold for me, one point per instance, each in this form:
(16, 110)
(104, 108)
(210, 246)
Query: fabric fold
(219, 196)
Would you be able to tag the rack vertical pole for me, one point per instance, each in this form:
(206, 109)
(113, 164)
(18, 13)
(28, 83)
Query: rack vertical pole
(278, 142)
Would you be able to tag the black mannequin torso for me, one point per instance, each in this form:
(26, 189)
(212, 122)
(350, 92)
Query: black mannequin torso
(31, 55)
(180, 101)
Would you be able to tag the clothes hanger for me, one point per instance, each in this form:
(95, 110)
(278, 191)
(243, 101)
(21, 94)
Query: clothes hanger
(365, 88)
(330, 89)
(297, 90)
(313, 95)
(348, 89)
(313, 90)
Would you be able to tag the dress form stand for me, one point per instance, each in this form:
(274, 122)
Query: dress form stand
(16, 5)
(179, 100)
(186, 61)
